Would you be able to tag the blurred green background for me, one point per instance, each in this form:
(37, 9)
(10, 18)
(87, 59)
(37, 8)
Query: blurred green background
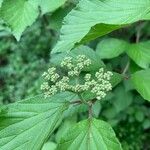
(22, 64)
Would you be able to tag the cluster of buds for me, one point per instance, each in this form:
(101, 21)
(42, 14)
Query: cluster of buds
(99, 84)
(75, 67)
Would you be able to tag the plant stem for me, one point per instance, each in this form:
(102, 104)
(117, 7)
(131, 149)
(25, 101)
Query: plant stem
(76, 102)
(126, 67)
(90, 109)
(82, 100)
(138, 34)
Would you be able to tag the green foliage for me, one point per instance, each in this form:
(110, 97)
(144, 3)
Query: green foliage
(90, 134)
(49, 6)
(81, 50)
(110, 48)
(27, 12)
(49, 146)
(73, 119)
(89, 13)
(140, 54)
(33, 121)
(141, 81)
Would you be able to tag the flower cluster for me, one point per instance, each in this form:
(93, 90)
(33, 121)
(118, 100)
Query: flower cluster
(75, 69)
(99, 83)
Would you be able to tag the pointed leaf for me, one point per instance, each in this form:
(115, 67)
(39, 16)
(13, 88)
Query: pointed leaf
(19, 14)
(110, 48)
(93, 13)
(141, 82)
(27, 124)
(90, 134)
(50, 5)
(81, 50)
(140, 53)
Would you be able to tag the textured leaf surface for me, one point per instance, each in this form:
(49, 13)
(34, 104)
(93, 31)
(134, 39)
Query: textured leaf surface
(50, 5)
(99, 30)
(82, 50)
(27, 124)
(110, 48)
(19, 14)
(140, 53)
(90, 135)
(141, 81)
(89, 13)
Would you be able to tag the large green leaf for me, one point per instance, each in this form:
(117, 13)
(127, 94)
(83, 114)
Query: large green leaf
(90, 134)
(110, 48)
(88, 13)
(19, 14)
(57, 17)
(81, 50)
(141, 82)
(140, 53)
(50, 5)
(63, 129)
(26, 125)
(99, 30)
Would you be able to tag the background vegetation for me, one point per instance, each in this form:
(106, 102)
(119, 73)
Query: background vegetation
(22, 64)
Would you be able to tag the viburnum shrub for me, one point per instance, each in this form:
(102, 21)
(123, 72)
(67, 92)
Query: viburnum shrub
(80, 76)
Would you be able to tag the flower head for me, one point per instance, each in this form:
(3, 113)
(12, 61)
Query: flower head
(98, 84)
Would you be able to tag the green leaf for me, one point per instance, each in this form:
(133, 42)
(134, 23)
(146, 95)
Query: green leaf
(82, 50)
(89, 13)
(49, 146)
(99, 30)
(140, 53)
(141, 82)
(67, 123)
(110, 48)
(139, 115)
(110, 113)
(116, 79)
(50, 5)
(90, 134)
(122, 98)
(146, 124)
(19, 14)
(27, 124)
(57, 17)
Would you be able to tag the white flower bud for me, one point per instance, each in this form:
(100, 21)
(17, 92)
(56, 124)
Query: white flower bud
(87, 77)
(80, 66)
(71, 73)
(87, 62)
(81, 58)
(51, 70)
